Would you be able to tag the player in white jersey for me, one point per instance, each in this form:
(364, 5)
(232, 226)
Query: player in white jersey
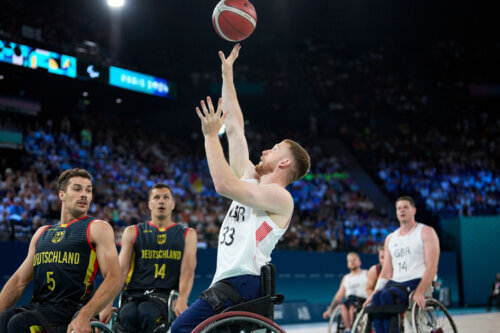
(261, 208)
(353, 288)
(410, 262)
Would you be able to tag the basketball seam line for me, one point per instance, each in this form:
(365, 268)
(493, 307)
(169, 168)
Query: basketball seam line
(241, 33)
(238, 11)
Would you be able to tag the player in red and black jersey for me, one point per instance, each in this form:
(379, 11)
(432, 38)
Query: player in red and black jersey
(374, 272)
(155, 258)
(63, 260)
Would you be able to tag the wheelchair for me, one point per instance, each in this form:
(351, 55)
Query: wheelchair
(435, 318)
(255, 316)
(99, 327)
(336, 323)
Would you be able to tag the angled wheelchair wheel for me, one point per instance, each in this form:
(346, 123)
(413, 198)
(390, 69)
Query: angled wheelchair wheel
(238, 321)
(98, 327)
(335, 324)
(361, 322)
(172, 300)
(434, 318)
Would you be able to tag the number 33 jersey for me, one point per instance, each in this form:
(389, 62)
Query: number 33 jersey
(246, 239)
(156, 260)
(407, 254)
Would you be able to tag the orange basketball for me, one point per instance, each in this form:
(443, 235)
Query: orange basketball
(234, 20)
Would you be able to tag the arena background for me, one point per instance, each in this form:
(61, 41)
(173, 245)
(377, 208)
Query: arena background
(390, 97)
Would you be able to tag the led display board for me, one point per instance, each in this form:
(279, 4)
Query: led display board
(34, 58)
(61, 64)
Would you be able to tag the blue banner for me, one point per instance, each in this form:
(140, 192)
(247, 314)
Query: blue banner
(139, 82)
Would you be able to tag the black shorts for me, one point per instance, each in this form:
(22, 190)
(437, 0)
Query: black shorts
(354, 300)
(20, 321)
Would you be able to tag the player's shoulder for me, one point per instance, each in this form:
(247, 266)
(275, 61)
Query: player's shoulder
(100, 225)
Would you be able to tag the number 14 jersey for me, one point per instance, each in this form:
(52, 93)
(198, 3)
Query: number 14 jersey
(407, 254)
(156, 260)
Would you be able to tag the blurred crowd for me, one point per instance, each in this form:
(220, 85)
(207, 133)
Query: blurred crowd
(409, 117)
(331, 213)
(407, 113)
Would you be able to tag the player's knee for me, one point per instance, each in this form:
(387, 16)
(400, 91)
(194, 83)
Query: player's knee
(376, 298)
(19, 323)
(386, 298)
(129, 316)
(4, 319)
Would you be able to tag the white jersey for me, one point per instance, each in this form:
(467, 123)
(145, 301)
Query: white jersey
(246, 239)
(355, 285)
(407, 253)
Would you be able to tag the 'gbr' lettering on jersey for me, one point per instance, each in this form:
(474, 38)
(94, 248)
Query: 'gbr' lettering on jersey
(402, 252)
(237, 213)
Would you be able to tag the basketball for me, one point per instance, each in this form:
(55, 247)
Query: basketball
(234, 20)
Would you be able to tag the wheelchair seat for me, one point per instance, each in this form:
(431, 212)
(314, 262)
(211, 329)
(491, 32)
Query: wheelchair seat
(263, 305)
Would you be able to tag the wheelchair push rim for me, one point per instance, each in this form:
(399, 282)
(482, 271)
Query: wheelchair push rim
(227, 318)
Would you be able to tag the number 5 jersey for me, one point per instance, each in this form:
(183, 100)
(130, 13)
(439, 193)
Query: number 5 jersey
(65, 263)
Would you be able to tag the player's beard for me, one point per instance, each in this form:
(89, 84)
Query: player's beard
(263, 168)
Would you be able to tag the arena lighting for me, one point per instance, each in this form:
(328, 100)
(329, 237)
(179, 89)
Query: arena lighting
(116, 3)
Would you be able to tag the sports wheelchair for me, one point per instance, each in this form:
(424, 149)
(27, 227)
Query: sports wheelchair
(253, 316)
(336, 323)
(433, 319)
(98, 327)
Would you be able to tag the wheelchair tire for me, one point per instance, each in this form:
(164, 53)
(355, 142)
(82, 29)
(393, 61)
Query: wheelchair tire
(98, 327)
(335, 320)
(172, 300)
(228, 321)
(360, 322)
(434, 318)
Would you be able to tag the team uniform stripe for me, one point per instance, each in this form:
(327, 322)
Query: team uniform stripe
(71, 222)
(92, 269)
(131, 270)
(45, 229)
(262, 232)
(88, 233)
(36, 329)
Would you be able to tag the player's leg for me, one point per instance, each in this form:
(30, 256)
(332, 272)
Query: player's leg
(344, 312)
(192, 317)
(352, 310)
(378, 322)
(5, 318)
(149, 315)
(129, 317)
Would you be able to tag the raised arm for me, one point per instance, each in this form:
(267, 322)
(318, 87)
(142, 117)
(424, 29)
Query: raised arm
(101, 234)
(15, 286)
(125, 257)
(337, 299)
(271, 197)
(431, 257)
(238, 147)
(187, 271)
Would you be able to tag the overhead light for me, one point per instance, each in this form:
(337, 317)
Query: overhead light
(116, 3)
(118, 101)
(85, 94)
(1, 77)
